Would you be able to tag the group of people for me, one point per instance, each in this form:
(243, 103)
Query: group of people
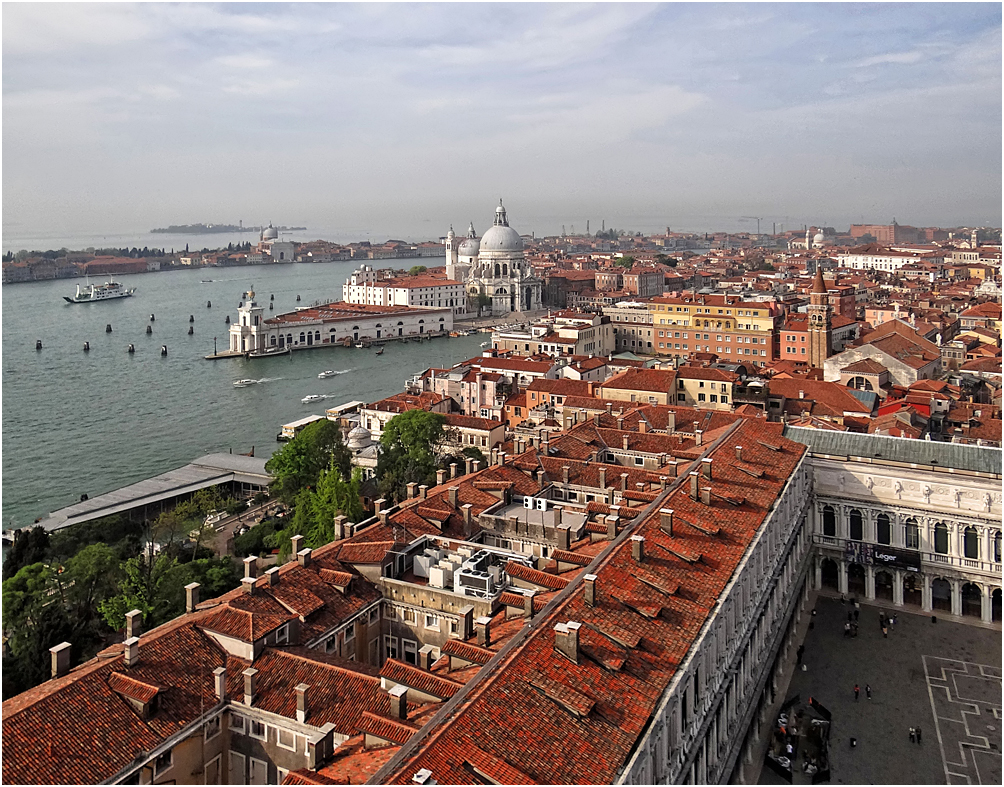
(915, 735)
(886, 622)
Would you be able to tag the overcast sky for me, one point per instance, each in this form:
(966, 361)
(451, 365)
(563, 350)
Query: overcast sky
(405, 118)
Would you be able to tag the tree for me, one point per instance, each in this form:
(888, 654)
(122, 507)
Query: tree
(90, 577)
(299, 463)
(625, 262)
(483, 302)
(31, 545)
(410, 446)
(868, 238)
(417, 269)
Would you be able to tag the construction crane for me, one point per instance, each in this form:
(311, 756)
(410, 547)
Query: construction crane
(757, 219)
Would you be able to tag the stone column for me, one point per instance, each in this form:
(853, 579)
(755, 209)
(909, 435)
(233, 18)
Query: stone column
(842, 576)
(925, 593)
(897, 587)
(870, 582)
(818, 576)
(986, 604)
(956, 596)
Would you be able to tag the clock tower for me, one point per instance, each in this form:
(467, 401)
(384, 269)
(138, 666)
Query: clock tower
(820, 326)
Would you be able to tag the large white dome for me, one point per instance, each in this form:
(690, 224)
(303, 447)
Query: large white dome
(270, 233)
(500, 236)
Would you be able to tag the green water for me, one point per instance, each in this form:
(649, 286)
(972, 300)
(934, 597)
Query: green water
(76, 422)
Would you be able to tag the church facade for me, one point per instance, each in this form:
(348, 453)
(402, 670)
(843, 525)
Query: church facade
(493, 268)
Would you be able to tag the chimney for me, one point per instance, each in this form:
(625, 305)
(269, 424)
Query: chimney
(340, 531)
(249, 685)
(502, 456)
(528, 604)
(452, 495)
(642, 426)
(620, 423)
(423, 776)
(399, 702)
(297, 542)
(134, 618)
(666, 520)
(611, 527)
(694, 484)
(384, 516)
(466, 621)
(596, 419)
(564, 473)
(557, 515)
(739, 453)
(610, 408)
(483, 626)
(220, 680)
(671, 422)
(624, 478)
(603, 478)
(251, 566)
(412, 488)
(494, 460)
(706, 468)
(60, 658)
(476, 464)
(248, 583)
(466, 508)
(425, 659)
(566, 639)
(699, 436)
(467, 465)
(272, 576)
(671, 468)
(590, 597)
(301, 702)
(624, 442)
(801, 394)
(638, 548)
(378, 504)
(440, 477)
(563, 536)
(303, 557)
(191, 598)
(131, 653)
(453, 469)
(706, 495)
(423, 490)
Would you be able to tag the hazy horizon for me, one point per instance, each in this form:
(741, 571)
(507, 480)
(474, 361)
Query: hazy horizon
(404, 119)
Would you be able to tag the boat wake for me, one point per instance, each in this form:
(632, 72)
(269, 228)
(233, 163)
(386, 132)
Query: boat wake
(334, 372)
(269, 379)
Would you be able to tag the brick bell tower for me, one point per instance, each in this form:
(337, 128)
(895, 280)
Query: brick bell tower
(820, 326)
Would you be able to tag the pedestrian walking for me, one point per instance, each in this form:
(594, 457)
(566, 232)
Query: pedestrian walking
(868, 690)
(850, 615)
(894, 621)
(856, 612)
(857, 691)
(854, 742)
(847, 629)
(913, 735)
(918, 735)
(798, 653)
(881, 619)
(885, 632)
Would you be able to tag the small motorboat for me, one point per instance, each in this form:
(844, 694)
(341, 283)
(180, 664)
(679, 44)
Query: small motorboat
(244, 383)
(311, 398)
(380, 351)
(327, 373)
(485, 344)
(207, 281)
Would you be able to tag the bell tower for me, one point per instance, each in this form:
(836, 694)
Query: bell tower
(820, 325)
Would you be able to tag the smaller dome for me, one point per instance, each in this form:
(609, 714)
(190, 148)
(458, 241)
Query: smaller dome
(469, 247)
(818, 239)
(359, 438)
(270, 232)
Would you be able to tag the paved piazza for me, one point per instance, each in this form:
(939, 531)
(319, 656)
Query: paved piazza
(944, 677)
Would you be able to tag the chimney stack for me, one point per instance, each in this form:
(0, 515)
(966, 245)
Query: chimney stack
(739, 453)
(528, 604)
(297, 542)
(564, 473)
(610, 408)
(624, 479)
(303, 557)
(483, 627)
(453, 469)
(412, 488)
(272, 576)
(566, 639)
(425, 659)
(672, 467)
(603, 478)
(378, 504)
(611, 527)
(801, 394)
(249, 685)
(699, 436)
(467, 465)
(220, 681)
(695, 479)
(706, 468)
(643, 426)
(466, 508)
(440, 478)
(423, 490)
(624, 442)
(248, 583)
(590, 596)
(476, 464)
(191, 597)
(638, 548)
(452, 495)
(131, 653)
(662, 483)
(563, 535)
(706, 495)
(666, 520)
(301, 702)
(399, 702)
(60, 659)
(671, 422)
(134, 619)
(251, 566)
(596, 419)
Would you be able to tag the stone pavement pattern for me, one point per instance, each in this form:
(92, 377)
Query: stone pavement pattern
(895, 668)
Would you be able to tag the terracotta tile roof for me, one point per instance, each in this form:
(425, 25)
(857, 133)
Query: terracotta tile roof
(468, 651)
(866, 365)
(399, 672)
(247, 618)
(658, 380)
(132, 688)
(304, 776)
(532, 575)
(364, 551)
(388, 729)
(565, 556)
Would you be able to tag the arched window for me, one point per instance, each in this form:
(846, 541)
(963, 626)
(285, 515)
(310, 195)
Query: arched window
(289, 338)
(884, 534)
(273, 341)
(829, 521)
(997, 547)
(941, 538)
(857, 526)
(971, 543)
(912, 534)
(303, 337)
(497, 271)
(317, 336)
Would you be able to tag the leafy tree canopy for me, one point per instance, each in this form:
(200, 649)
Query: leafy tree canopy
(417, 269)
(300, 461)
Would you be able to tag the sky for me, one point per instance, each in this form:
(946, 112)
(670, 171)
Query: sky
(405, 118)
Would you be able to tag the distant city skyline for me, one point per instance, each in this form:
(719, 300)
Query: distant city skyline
(398, 120)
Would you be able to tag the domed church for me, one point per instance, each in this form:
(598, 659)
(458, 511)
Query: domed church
(494, 266)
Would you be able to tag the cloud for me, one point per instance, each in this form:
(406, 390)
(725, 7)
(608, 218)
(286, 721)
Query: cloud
(899, 58)
(245, 62)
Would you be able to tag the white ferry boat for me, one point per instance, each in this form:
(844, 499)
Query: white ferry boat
(244, 383)
(99, 292)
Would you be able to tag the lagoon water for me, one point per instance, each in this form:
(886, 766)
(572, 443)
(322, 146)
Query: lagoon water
(76, 422)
